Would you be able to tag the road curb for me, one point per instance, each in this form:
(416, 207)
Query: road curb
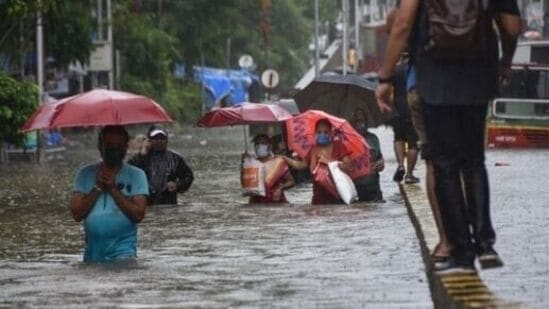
(447, 291)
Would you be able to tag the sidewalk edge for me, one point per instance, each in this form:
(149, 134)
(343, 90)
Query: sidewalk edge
(447, 291)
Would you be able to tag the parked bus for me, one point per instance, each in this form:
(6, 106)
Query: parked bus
(519, 117)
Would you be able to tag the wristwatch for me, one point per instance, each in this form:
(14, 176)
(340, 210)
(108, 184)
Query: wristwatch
(385, 80)
(97, 188)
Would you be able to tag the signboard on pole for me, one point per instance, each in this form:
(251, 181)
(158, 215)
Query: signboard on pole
(246, 62)
(270, 78)
(100, 58)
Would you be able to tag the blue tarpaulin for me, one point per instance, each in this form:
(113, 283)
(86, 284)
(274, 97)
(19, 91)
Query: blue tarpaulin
(231, 86)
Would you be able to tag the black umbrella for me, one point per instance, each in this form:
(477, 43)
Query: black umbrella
(340, 95)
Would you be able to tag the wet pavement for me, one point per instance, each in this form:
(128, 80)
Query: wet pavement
(211, 250)
(520, 215)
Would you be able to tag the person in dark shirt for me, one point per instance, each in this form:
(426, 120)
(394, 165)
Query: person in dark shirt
(455, 95)
(167, 172)
(405, 137)
(368, 187)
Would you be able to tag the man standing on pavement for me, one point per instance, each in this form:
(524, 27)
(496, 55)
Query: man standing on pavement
(110, 197)
(455, 83)
(405, 136)
(166, 171)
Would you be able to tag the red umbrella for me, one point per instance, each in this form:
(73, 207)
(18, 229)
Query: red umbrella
(244, 113)
(98, 107)
(301, 138)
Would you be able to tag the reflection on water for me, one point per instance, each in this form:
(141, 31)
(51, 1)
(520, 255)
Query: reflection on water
(211, 250)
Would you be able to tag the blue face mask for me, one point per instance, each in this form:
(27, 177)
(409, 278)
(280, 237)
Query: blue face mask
(322, 139)
(262, 151)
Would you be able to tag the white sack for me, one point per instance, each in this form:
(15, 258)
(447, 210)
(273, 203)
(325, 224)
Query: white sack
(344, 184)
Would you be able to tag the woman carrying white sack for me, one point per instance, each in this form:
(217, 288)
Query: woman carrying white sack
(325, 187)
(276, 176)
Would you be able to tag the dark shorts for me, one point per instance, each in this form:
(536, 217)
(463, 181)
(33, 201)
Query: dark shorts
(368, 194)
(404, 131)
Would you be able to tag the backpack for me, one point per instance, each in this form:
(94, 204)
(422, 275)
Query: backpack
(457, 29)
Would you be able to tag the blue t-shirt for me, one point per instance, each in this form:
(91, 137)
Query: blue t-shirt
(411, 77)
(110, 233)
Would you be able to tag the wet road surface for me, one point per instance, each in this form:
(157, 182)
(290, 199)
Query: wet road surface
(211, 250)
(520, 214)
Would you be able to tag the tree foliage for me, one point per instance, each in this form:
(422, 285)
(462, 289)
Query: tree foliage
(67, 29)
(154, 35)
(18, 101)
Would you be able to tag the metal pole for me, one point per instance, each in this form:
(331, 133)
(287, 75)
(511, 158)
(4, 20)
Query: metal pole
(118, 68)
(40, 55)
(99, 20)
(111, 45)
(228, 54)
(245, 138)
(202, 82)
(357, 32)
(39, 72)
(80, 83)
(317, 51)
(345, 44)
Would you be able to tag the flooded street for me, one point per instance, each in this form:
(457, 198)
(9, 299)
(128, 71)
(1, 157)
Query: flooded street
(211, 250)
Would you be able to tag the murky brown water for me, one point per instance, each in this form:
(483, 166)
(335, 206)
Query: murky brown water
(212, 250)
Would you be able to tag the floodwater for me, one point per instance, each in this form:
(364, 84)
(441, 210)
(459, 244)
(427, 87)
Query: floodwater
(211, 250)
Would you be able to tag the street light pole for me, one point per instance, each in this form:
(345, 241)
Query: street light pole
(357, 31)
(40, 53)
(111, 45)
(317, 52)
(99, 20)
(345, 43)
(39, 72)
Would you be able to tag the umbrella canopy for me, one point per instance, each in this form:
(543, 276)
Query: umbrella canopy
(340, 95)
(288, 104)
(98, 107)
(301, 138)
(244, 113)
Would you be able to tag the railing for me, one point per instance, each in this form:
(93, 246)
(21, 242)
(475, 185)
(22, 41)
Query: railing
(521, 109)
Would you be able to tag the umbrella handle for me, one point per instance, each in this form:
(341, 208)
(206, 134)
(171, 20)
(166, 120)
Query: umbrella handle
(245, 140)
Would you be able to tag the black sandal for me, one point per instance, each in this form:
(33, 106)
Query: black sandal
(435, 258)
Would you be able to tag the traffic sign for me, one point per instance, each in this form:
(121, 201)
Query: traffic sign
(246, 62)
(270, 78)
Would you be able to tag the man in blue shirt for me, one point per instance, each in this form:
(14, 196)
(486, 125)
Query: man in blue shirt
(111, 197)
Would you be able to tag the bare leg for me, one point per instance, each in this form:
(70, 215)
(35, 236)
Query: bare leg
(399, 152)
(443, 246)
(411, 160)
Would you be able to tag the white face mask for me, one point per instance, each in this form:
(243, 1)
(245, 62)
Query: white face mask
(262, 151)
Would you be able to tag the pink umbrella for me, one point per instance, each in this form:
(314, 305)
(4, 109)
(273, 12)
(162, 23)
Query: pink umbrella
(301, 139)
(98, 107)
(244, 113)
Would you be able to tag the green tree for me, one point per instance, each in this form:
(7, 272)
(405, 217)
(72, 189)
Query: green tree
(154, 35)
(148, 54)
(203, 29)
(68, 29)
(18, 101)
